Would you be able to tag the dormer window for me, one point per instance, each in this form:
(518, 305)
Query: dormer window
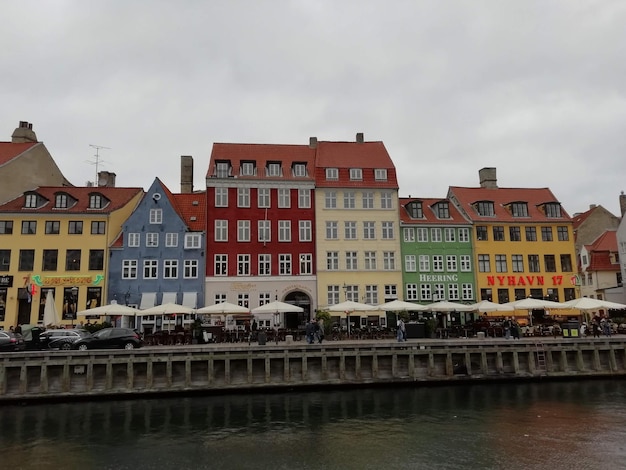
(485, 208)
(222, 169)
(332, 174)
(60, 201)
(519, 209)
(443, 210)
(553, 209)
(356, 174)
(247, 169)
(96, 201)
(380, 174)
(415, 210)
(273, 169)
(30, 201)
(299, 170)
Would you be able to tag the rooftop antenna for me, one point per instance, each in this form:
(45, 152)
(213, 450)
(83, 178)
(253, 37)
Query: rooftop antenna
(97, 160)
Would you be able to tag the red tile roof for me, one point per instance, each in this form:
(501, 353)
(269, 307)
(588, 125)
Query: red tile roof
(600, 252)
(605, 242)
(578, 219)
(10, 150)
(430, 217)
(501, 197)
(192, 208)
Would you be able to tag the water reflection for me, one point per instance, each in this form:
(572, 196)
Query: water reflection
(489, 426)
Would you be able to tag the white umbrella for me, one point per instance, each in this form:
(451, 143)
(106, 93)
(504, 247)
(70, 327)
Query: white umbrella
(400, 306)
(166, 309)
(277, 307)
(50, 313)
(534, 304)
(445, 306)
(487, 306)
(585, 304)
(113, 309)
(613, 305)
(350, 306)
(223, 308)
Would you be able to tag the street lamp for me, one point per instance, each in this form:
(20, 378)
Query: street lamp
(75, 303)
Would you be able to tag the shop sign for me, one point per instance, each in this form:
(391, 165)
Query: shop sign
(6, 281)
(523, 280)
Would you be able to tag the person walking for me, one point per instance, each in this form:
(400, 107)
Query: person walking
(320, 330)
(401, 330)
(507, 328)
(309, 331)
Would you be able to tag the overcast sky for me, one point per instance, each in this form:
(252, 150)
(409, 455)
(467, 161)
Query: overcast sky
(536, 89)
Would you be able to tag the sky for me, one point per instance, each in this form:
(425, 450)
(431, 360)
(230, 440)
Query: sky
(535, 88)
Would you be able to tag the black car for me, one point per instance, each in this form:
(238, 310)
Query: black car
(10, 341)
(110, 338)
(61, 339)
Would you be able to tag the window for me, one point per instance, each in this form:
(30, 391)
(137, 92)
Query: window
(515, 234)
(150, 269)
(284, 198)
(284, 264)
(243, 300)
(467, 291)
(299, 170)
(273, 169)
(519, 209)
(332, 174)
(439, 292)
(410, 264)
(221, 265)
(501, 264)
(415, 210)
(464, 235)
(129, 269)
(453, 291)
(221, 230)
(332, 295)
(368, 200)
(352, 292)
(349, 200)
(553, 210)
(425, 292)
(443, 210)
(5, 260)
(133, 239)
(221, 197)
(306, 263)
(389, 260)
(156, 216)
(485, 208)
(265, 265)
(356, 174)
(546, 234)
(370, 260)
(243, 265)
(435, 234)
(332, 260)
(388, 231)
(517, 263)
(243, 230)
(53, 227)
(351, 261)
(350, 230)
(533, 264)
(531, 234)
(386, 201)
(30, 201)
(371, 295)
(304, 198)
(29, 227)
(481, 233)
(193, 241)
(247, 169)
(380, 174)
(332, 230)
(190, 269)
(451, 265)
(99, 227)
(422, 235)
(60, 201)
(265, 232)
(220, 297)
(484, 266)
(96, 201)
(305, 231)
(26, 261)
(72, 260)
(243, 197)
(550, 263)
(562, 234)
(408, 234)
(284, 230)
(411, 292)
(424, 263)
(391, 291)
(50, 260)
(222, 169)
(566, 263)
(466, 263)
(498, 233)
(449, 235)
(438, 263)
(96, 260)
(330, 199)
(263, 198)
(6, 227)
(369, 231)
(152, 239)
(171, 239)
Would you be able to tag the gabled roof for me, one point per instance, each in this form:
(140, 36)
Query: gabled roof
(501, 198)
(117, 197)
(600, 252)
(605, 242)
(430, 216)
(10, 150)
(192, 209)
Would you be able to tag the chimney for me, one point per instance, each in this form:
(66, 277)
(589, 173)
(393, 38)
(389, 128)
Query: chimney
(106, 179)
(24, 133)
(186, 174)
(622, 203)
(312, 142)
(592, 206)
(359, 137)
(488, 178)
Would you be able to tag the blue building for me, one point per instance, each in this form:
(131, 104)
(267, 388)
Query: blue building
(159, 256)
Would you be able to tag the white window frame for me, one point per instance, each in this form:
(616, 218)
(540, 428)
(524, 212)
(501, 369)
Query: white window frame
(451, 263)
(284, 264)
(150, 269)
(464, 235)
(438, 263)
(465, 262)
(243, 197)
(349, 200)
(243, 264)
(352, 261)
(380, 174)
(332, 174)
(264, 264)
(306, 264)
(388, 231)
(190, 269)
(264, 198)
(410, 263)
(411, 292)
(408, 234)
(193, 241)
(370, 260)
(243, 230)
(450, 234)
(332, 260)
(367, 199)
(170, 269)
(284, 231)
(220, 265)
(369, 230)
(221, 230)
(389, 260)
(424, 263)
(152, 239)
(305, 230)
(134, 239)
(349, 231)
(171, 239)
(386, 200)
(330, 200)
(332, 230)
(356, 174)
(284, 198)
(156, 216)
(129, 268)
(264, 230)
(221, 197)
(304, 198)
(421, 235)
(435, 235)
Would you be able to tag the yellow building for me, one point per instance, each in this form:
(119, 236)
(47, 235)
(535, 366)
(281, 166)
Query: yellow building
(57, 239)
(523, 241)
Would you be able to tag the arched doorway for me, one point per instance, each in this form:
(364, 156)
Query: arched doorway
(301, 299)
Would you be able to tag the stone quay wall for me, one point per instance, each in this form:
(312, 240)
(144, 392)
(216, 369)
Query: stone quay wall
(60, 375)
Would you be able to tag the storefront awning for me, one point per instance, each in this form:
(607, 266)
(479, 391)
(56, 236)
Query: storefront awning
(147, 300)
(168, 298)
(190, 299)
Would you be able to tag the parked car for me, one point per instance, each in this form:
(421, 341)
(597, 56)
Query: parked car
(110, 338)
(61, 339)
(10, 341)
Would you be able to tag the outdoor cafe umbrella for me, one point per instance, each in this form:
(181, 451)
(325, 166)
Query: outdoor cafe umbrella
(113, 309)
(588, 304)
(350, 306)
(401, 306)
(169, 308)
(50, 313)
(488, 306)
(446, 306)
(530, 304)
(277, 307)
(223, 308)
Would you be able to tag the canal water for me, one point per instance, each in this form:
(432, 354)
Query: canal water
(559, 425)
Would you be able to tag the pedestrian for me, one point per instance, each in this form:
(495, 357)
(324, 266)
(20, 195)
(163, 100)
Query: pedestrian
(320, 330)
(309, 331)
(401, 330)
(595, 327)
(507, 327)
(515, 329)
